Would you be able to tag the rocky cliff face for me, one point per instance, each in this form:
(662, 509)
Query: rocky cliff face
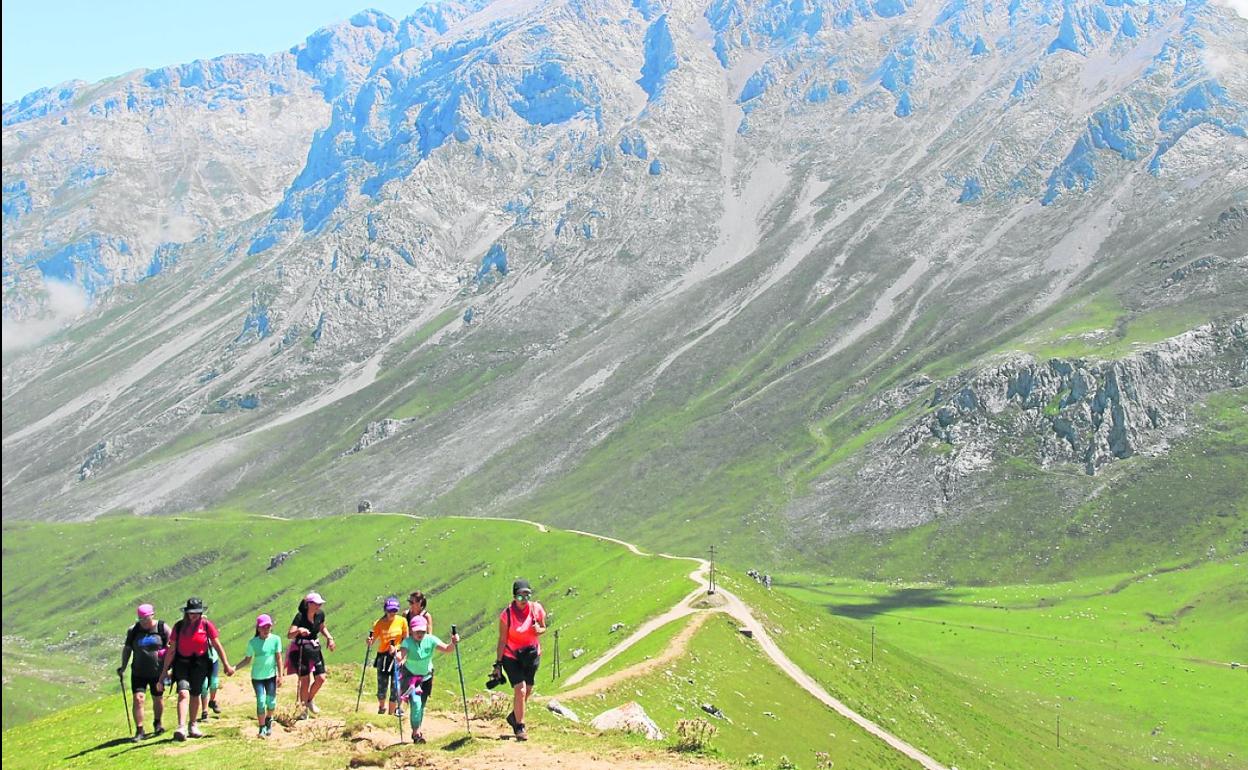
(1053, 413)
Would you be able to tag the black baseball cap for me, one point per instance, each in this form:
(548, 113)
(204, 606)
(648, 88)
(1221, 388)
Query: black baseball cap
(521, 585)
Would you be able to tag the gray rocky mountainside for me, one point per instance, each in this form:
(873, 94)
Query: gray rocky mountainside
(832, 280)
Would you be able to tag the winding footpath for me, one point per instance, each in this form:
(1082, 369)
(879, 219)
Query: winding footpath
(697, 602)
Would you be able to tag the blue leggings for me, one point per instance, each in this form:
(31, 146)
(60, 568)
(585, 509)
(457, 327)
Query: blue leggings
(266, 694)
(415, 696)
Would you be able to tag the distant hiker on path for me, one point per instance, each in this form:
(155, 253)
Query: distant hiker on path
(519, 650)
(305, 650)
(146, 640)
(264, 652)
(415, 655)
(389, 631)
(188, 657)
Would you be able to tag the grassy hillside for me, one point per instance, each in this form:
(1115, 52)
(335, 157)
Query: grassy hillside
(1135, 664)
(764, 712)
(70, 589)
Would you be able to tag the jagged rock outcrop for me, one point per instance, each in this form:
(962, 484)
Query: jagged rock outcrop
(101, 455)
(280, 558)
(379, 430)
(1048, 413)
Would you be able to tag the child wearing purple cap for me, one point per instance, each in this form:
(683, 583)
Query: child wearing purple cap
(265, 649)
(389, 631)
(415, 657)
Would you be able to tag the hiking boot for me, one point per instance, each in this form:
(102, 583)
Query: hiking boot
(511, 721)
(194, 732)
(418, 738)
(312, 707)
(521, 733)
(157, 730)
(381, 709)
(268, 725)
(180, 733)
(139, 735)
(212, 704)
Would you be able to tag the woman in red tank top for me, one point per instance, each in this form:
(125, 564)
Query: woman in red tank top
(520, 627)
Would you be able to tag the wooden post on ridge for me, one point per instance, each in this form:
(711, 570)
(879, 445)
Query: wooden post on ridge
(711, 587)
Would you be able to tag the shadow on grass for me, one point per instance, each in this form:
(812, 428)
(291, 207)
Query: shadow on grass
(458, 743)
(105, 745)
(898, 599)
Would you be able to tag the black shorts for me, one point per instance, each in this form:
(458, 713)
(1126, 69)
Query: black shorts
(308, 660)
(190, 673)
(522, 668)
(152, 683)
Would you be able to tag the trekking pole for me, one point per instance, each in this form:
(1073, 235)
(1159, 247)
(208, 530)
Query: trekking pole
(463, 692)
(125, 702)
(398, 711)
(363, 671)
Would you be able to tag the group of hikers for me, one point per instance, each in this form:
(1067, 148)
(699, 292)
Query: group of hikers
(190, 655)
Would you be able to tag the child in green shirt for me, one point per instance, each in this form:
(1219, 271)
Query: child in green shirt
(415, 657)
(265, 649)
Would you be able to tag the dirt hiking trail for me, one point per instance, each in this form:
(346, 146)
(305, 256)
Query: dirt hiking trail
(375, 743)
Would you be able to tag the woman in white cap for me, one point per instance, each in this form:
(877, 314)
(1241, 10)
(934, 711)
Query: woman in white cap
(305, 649)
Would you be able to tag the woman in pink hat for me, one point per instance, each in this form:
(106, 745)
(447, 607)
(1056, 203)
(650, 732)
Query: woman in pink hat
(265, 649)
(146, 641)
(305, 650)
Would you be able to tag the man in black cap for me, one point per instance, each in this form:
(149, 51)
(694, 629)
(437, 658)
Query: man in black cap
(519, 649)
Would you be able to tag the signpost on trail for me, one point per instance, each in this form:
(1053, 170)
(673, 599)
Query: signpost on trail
(711, 583)
(872, 644)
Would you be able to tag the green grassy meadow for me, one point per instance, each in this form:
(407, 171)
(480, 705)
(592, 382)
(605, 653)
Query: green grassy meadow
(1136, 663)
(764, 711)
(76, 615)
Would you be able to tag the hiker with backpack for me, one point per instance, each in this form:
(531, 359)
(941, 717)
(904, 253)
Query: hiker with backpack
(305, 657)
(264, 653)
(415, 661)
(146, 641)
(388, 632)
(519, 650)
(187, 657)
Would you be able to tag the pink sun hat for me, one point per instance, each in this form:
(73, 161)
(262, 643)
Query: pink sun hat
(145, 611)
(264, 620)
(419, 623)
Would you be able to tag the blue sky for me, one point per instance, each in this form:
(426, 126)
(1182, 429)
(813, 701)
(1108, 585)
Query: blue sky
(50, 41)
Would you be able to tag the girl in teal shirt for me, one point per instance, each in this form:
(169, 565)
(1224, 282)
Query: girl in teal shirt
(265, 649)
(415, 657)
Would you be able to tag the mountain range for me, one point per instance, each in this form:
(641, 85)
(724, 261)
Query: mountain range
(871, 282)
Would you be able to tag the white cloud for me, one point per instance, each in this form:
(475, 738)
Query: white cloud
(66, 301)
(1238, 6)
